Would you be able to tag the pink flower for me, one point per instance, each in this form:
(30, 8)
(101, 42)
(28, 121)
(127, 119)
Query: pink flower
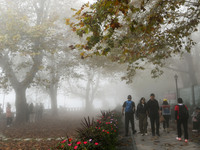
(63, 141)
(85, 142)
(90, 140)
(75, 147)
(78, 143)
(96, 143)
(70, 144)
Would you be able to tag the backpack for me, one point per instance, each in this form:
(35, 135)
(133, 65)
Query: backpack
(183, 112)
(166, 110)
(129, 106)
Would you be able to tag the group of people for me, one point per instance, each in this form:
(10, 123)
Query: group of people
(155, 112)
(34, 113)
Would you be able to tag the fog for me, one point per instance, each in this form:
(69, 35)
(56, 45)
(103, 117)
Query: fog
(37, 64)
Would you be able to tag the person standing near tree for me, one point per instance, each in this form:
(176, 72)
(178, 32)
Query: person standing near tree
(153, 113)
(181, 118)
(8, 115)
(129, 108)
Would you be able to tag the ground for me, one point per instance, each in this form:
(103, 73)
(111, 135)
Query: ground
(40, 135)
(48, 132)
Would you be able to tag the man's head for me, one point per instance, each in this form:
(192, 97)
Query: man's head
(129, 97)
(152, 96)
(180, 100)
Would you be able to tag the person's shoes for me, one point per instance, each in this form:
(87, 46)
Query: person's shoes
(134, 131)
(176, 138)
(186, 140)
(164, 130)
(194, 131)
(146, 134)
(179, 139)
(167, 130)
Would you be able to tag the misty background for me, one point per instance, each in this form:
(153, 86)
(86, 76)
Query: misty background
(37, 65)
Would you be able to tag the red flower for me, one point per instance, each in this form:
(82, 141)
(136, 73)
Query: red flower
(96, 143)
(63, 141)
(70, 139)
(108, 132)
(78, 143)
(75, 147)
(85, 142)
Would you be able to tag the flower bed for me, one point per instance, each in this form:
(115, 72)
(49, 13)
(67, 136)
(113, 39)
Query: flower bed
(94, 135)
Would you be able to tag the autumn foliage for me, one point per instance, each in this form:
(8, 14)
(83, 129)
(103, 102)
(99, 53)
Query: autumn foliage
(136, 32)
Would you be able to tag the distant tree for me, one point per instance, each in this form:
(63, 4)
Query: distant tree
(136, 32)
(87, 78)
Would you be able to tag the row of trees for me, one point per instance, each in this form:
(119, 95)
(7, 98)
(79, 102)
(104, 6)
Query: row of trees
(34, 51)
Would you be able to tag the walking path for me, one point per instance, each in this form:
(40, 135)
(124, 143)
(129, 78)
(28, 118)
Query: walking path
(166, 141)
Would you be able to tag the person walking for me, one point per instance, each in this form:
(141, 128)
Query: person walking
(129, 108)
(8, 115)
(141, 113)
(165, 110)
(181, 118)
(153, 113)
(194, 120)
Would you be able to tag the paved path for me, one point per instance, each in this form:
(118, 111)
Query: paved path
(166, 141)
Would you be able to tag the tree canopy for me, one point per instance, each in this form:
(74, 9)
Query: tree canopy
(136, 32)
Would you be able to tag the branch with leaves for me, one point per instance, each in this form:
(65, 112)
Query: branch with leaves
(136, 32)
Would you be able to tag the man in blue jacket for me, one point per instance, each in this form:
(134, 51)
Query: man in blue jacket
(129, 108)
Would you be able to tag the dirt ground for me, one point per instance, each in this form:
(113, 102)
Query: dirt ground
(40, 135)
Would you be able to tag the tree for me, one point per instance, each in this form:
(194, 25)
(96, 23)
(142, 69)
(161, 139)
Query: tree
(136, 32)
(23, 40)
(87, 77)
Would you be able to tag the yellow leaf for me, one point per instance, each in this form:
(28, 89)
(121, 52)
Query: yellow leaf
(78, 12)
(73, 9)
(67, 21)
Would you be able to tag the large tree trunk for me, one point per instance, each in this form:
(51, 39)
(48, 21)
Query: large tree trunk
(53, 95)
(20, 103)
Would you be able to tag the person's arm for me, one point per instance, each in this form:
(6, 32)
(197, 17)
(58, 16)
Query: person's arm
(122, 111)
(133, 107)
(176, 112)
(123, 107)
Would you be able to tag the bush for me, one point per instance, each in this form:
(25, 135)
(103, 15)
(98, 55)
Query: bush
(95, 135)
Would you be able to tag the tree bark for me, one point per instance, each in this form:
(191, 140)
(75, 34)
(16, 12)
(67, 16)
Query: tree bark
(53, 95)
(20, 104)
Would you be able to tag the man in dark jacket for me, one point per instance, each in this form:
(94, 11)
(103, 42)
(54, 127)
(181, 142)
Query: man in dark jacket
(153, 112)
(129, 108)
